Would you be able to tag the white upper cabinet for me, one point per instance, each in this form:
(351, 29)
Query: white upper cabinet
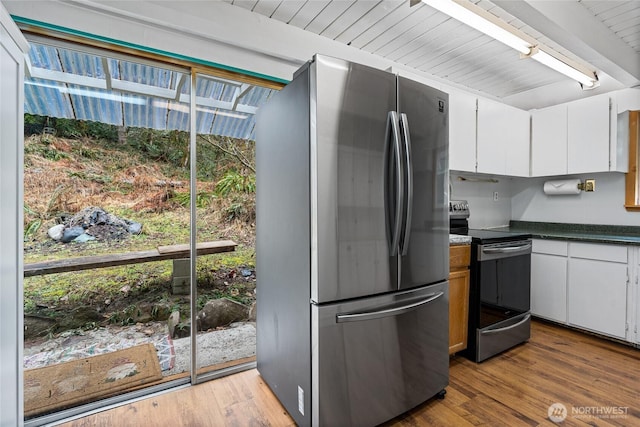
(462, 132)
(549, 141)
(503, 139)
(588, 131)
(577, 137)
(518, 142)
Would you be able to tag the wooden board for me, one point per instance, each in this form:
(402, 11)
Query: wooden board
(203, 248)
(79, 381)
(113, 260)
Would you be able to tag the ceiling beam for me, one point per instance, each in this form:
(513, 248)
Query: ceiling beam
(575, 28)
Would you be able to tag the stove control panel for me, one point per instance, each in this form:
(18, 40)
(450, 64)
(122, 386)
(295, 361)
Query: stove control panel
(458, 209)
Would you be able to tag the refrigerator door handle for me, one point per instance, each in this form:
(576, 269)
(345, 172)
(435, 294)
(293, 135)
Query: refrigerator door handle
(409, 191)
(386, 312)
(392, 136)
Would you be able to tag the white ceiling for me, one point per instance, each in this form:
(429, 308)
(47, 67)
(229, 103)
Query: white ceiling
(603, 34)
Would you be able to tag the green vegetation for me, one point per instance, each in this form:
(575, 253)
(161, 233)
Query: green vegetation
(141, 175)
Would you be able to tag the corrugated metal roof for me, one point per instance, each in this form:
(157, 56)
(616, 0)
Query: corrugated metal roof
(76, 85)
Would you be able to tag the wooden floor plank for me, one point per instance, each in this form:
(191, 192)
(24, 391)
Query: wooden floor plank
(511, 389)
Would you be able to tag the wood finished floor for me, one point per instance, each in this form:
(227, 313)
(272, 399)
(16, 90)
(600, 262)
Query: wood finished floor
(512, 389)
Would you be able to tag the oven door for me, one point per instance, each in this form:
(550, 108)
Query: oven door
(504, 273)
(505, 281)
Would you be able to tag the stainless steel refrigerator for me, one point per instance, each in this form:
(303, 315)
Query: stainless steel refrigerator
(352, 244)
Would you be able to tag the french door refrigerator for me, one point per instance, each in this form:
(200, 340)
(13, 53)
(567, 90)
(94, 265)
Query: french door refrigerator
(352, 244)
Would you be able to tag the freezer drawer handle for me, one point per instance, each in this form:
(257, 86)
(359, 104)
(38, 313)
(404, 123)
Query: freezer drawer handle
(506, 249)
(378, 314)
(506, 328)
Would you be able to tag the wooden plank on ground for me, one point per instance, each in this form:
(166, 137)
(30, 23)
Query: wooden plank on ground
(113, 260)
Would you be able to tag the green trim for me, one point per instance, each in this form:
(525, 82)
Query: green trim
(65, 30)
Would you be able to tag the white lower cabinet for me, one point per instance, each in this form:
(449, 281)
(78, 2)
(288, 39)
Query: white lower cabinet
(584, 285)
(549, 280)
(598, 296)
(634, 303)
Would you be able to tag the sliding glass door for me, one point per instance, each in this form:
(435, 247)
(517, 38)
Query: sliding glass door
(107, 222)
(225, 213)
(127, 177)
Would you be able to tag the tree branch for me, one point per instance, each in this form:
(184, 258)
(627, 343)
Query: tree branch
(231, 150)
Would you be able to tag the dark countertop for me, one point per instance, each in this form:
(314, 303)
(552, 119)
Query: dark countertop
(594, 233)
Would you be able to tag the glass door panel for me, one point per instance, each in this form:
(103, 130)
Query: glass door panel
(107, 227)
(225, 204)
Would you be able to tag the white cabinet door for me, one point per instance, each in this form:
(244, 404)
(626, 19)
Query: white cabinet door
(492, 155)
(549, 286)
(549, 141)
(503, 139)
(462, 132)
(12, 48)
(588, 132)
(597, 288)
(636, 298)
(517, 132)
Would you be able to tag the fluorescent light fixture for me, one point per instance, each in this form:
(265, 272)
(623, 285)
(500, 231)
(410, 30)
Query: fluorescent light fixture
(476, 17)
(588, 81)
(483, 22)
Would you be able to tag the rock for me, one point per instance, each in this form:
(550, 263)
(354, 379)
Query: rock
(252, 312)
(79, 317)
(143, 312)
(71, 233)
(55, 232)
(182, 330)
(172, 322)
(161, 311)
(35, 326)
(220, 312)
(134, 228)
(101, 225)
(83, 238)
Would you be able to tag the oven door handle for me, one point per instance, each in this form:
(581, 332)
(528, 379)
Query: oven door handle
(507, 249)
(506, 328)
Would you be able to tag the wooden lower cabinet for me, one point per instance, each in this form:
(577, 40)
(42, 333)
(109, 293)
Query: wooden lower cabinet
(459, 280)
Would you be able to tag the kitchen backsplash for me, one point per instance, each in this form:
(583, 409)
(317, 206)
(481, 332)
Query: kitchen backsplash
(604, 206)
(522, 199)
(479, 191)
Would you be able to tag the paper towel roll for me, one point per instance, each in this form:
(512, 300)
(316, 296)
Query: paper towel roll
(562, 186)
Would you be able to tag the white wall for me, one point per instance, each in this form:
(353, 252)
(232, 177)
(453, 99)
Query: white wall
(604, 206)
(478, 191)
(522, 199)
